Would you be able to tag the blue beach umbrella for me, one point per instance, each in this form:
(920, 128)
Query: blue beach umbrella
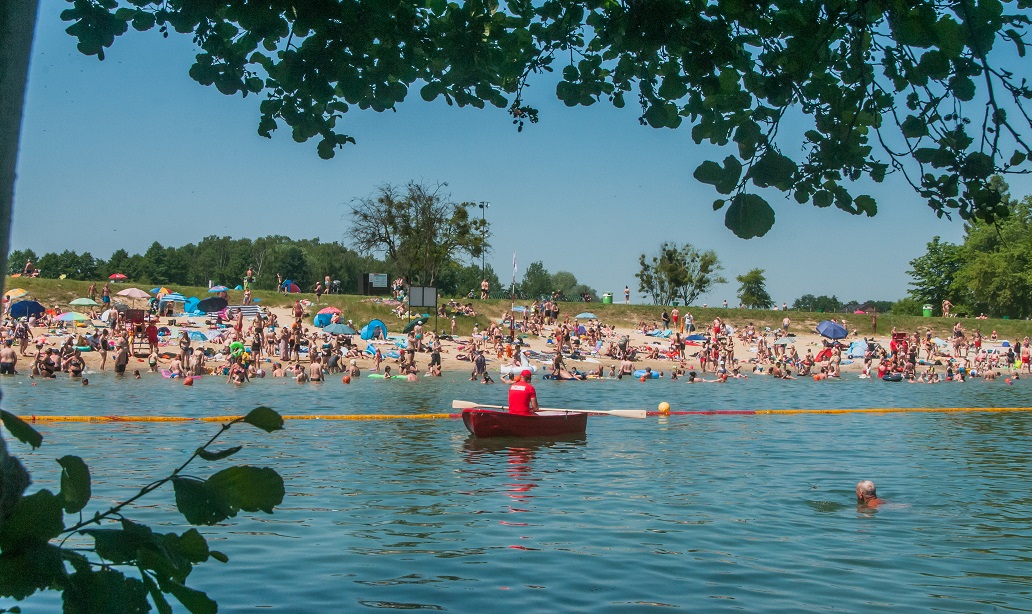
(587, 315)
(24, 309)
(217, 289)
(339, 329)
(832, 330)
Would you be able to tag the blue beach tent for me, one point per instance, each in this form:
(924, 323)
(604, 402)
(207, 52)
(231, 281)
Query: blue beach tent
(369, 330)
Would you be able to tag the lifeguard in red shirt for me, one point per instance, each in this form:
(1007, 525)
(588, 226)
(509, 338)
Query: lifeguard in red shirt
(522, 396)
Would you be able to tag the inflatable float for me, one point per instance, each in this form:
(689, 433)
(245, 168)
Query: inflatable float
(517, 369)
(381, 376)
(892, 377)
(642, 372)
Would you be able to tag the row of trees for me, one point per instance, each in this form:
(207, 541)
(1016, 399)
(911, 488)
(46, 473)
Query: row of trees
(990, 272)
(681, 273)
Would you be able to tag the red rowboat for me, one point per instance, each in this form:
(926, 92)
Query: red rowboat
(491, 423)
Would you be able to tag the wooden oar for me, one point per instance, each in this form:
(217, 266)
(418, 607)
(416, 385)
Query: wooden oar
(622, 413)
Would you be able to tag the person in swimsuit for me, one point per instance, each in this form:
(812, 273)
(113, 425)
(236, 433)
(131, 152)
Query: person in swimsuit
(316, 370)
(8, 358)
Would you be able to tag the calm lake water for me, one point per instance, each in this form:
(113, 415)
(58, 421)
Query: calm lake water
(699, 513)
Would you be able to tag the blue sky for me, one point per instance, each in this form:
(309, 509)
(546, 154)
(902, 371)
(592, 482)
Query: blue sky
(124, 152)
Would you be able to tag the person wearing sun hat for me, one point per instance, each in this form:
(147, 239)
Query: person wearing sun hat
(522, 396)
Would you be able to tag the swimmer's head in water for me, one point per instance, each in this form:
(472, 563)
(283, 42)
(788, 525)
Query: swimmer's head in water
(865, 491)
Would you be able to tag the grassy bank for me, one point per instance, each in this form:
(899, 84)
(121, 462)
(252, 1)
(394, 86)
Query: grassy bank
(361, 309)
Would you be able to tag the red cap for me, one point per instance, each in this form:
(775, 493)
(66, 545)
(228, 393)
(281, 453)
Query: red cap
(526, 373)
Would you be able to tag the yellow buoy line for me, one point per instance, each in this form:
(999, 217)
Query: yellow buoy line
(443, 416)
(101, 419)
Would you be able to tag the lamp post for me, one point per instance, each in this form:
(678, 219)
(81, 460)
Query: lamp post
(483, 237)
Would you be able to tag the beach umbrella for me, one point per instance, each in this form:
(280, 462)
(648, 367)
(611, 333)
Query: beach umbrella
(339, 329)
(330, 310)
(84, 302)
(785, 341)
(117, 276)
(15, 293)
(120, 307)
(214, 289)
(412, 325)
(832, 330)
(587, 315)
(134, 293)
(212, 304)
(24, 309)
(71, 316)
(174, 296)
(160, 290)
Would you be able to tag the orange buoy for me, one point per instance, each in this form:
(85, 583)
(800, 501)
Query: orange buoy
(188, 381)
(641, 379)
(346, 379)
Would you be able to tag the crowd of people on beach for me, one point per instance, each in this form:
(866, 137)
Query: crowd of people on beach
(242, 349)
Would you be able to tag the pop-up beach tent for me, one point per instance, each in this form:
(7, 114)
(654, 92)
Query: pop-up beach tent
(369, 330)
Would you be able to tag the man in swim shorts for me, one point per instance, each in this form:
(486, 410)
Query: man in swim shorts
(522, 396)
(8, 358)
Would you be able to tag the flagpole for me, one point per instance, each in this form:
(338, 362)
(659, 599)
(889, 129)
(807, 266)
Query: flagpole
(512, 305)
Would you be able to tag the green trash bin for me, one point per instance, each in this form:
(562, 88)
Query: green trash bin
(927, 310)
(607, 298)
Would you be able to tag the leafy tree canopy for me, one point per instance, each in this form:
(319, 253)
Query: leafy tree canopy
(678, 272)
(753, 291)
(934, 272)
(418, 229)
(865, 87)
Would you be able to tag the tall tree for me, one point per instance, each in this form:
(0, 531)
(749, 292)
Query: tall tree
(537, 281)
(995, 272)
(753, 291)
(866, 86)
(678, 272)
(418, 229)
(934, 272)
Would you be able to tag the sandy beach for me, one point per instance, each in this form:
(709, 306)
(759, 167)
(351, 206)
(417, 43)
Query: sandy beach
(540, 348)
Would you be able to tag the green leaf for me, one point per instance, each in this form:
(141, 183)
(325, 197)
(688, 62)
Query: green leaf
(773, 169)
(193, 546)
(221, 454)
(724, 179)
(866, 204)
(194, 600)
(219, 556)
(248, 488)
(105, 590)
(156, 595)
(823, 198)
(33, 567)
(75, 483)
(115, 545)
(749, 216)
(718, 204)
(264, 418)
(1017, 158)
(978, 164)
(197, 503)
(914, 127)
(962, 87)
(437, 6)
(35, 518)
(1018, 42)
(20, 429)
